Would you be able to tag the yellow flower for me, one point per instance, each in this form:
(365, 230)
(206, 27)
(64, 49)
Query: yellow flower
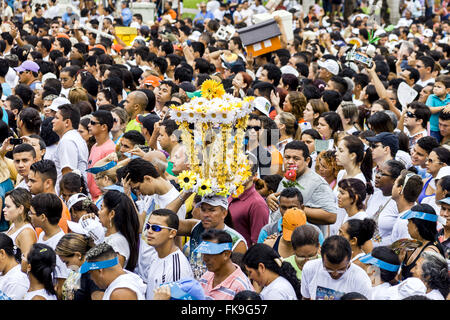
(204, 188)
(212, 89)
(224, 191)
(187, 179)
(238, 191)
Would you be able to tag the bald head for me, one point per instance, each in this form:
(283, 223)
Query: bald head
(139, 98)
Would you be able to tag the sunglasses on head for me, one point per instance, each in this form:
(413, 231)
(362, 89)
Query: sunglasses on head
(156, 227)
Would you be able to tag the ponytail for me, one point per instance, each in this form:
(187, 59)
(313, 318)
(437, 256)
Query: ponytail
(42, 259)
(298, 131)
(11, 250)
(366, 169)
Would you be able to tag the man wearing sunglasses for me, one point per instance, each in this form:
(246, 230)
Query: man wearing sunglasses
(334, 275)
(384, 147)
(101, 124)
(416, 121)
(170, 264)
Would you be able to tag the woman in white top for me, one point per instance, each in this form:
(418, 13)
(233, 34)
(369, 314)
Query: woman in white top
(351, 196)
(289, 129)
(358, 233)
(13, 283)
(39, 265)
(17, 205)
(432, 269)
(277, 278)
(120, 218)
(383, 265)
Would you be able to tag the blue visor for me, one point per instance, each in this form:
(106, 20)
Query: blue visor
(368, 259)
(95, 170)
(130, 155)
(187, 289)
(213, 248)
(420, 215)
(89, 266)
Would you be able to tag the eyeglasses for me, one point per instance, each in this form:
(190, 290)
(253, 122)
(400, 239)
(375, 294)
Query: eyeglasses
(256, 128)
(300, 259)
(409, 114)
(93, 123)
(374, 145)
(157, 227)
(341, 271)
(433, 161)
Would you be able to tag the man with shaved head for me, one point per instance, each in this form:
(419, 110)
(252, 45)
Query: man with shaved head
(135, 104)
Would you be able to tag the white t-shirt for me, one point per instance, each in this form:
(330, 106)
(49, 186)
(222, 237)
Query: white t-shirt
(279, 289)
(23, 184)
(147, 253)
(400, 229)
(40, 292)
(361, 215)
(435, 295)
(61, 270)
(128, 280)
(317, 283)
(380, 292)
(120, 245)
(72, 152)
(424, 83)
(174, 267)
(14, 285)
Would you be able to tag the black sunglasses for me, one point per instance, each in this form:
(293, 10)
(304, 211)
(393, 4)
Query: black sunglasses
(409, 114)
(256, 128)
(93, 123)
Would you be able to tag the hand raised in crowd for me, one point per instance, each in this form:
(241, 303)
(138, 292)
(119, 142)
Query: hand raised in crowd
(272, 201)
(162, 293)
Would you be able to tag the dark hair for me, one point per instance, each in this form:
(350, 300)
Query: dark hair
(421, 111)
(171, 217)
(48, 135)
(413, 187)
(427, 61)
(388, 255)
(24, 147)
(380, 122)
(427, 229)
(247, 295)
(334, 121)
(291, 81)
(46, 168)
(110, 95)
(395, 168)
(362, 230)
(363, 158)
(31, 120)
(11, 250)
(136, 169)
(135, 137)
(24, 92)
(298, 145)
(262, 253)
(214, 234)
(305, 235)
(272, 181)
(126, 221)
(48, 204)
(353, 296)
(273, 73)
(443, 154)
(336, 249)
(42, 259)
(104, 117)
(292, 192)
(170, 126)
(69, 111)
(332, 98)
(354, 187)
(73, 183)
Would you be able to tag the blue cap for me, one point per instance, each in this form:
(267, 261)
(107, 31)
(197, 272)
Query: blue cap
(95, 265)
(369, 259)
(387, 139)
(186, 289)
(213, 248)
(95, 170)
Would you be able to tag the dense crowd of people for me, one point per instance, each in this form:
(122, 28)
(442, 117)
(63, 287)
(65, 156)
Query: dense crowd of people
(349, 193)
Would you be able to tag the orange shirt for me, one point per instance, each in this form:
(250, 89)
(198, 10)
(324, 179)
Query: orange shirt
(62, 222)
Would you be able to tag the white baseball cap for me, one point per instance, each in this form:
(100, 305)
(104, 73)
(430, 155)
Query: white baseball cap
(289, 69)
(331, 65)
(58, 102)
(444, 171)
(428, 33)
(262, 104)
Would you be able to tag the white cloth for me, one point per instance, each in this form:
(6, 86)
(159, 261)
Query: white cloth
(435, 295)
(279, 289)
(120, 245)
(174, 267)
(50, 152)
(317, 284)
(400, 229)
(40, 292)
(380, 292)
(61, 270)
(18, 231)
(128, 280)
(147, 253)
(14, 284)
(72, 152)
(424, 83)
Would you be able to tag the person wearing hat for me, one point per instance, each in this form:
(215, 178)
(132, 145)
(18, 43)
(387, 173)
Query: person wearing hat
(28, 73)
(151, 82)
(224, 279)
(170, 264)
(384, 147)
(213, 212)
(103, 266)
(327, 69)
(292, 219)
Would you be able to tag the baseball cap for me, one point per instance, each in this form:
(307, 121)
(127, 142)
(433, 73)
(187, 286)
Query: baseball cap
(148, 121)
(208, 247)
(289, 69)
(152, 81)
(215, 201)
(409, 287)
(235, 66)
(428, 33)
(331, 65)
(292, 219)
(28, 66)
(445, 201)
(187, 86)
(186, 289)
(387, 139)
(262, 104)
(47, 76)
(58, 102)
(444, 171)
(117, 47)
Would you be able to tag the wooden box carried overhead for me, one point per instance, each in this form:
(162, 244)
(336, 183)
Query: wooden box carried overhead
(261, 38)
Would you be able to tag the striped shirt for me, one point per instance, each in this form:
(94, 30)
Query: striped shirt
(227, 289)
(174, 267)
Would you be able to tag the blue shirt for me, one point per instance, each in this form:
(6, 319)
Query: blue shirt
(127, 16)
(434, 101)
(200, 17)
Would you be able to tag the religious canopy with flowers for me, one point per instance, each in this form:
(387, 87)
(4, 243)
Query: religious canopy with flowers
(212, 130)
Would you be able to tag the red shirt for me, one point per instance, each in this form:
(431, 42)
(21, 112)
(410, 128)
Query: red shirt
(249, 213)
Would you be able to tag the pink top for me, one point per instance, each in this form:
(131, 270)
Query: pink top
(249, 213)
(227, 289)
(97, 153)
